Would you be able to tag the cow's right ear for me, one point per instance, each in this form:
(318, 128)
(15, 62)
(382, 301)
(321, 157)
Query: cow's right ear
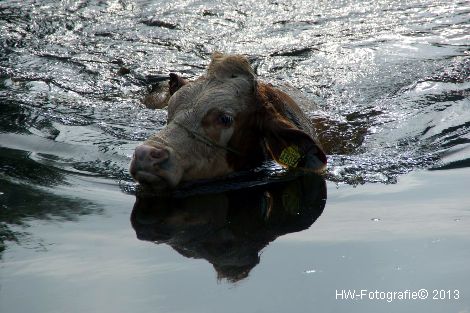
(176, 82)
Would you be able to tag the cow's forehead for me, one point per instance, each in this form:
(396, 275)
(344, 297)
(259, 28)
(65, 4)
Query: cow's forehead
(230, 95)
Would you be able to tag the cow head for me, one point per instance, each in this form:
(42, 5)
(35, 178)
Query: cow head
(223, 122)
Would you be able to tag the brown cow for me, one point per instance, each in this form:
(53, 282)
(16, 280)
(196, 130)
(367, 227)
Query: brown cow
(223, 122)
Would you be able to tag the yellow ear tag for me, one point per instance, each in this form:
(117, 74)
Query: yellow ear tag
(290, 156)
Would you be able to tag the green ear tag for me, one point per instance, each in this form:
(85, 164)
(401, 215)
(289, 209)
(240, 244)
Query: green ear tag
(290, 156)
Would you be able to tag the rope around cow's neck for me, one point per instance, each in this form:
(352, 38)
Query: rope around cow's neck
(205, 140)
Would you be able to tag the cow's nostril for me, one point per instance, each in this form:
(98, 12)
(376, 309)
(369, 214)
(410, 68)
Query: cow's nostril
(159, 155)
(145, 153)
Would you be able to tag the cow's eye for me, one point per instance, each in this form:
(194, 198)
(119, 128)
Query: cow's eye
(226, 120)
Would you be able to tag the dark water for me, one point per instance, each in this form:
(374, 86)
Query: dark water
(392, 83)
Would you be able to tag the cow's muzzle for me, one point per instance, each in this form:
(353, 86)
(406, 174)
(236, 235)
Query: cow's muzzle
(148, 166)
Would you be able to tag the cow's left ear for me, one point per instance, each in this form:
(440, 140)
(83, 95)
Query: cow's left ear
(287, 144)
(292, 147)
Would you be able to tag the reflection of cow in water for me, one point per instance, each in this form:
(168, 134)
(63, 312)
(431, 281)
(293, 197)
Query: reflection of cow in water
(222, 122)
(230, 229)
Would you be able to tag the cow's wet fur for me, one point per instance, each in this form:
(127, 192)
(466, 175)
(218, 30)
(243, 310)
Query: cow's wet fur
(225, 121)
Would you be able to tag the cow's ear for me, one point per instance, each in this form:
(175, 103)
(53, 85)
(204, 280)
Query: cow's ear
(176, 82)
(287, 144)
(292, 147)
